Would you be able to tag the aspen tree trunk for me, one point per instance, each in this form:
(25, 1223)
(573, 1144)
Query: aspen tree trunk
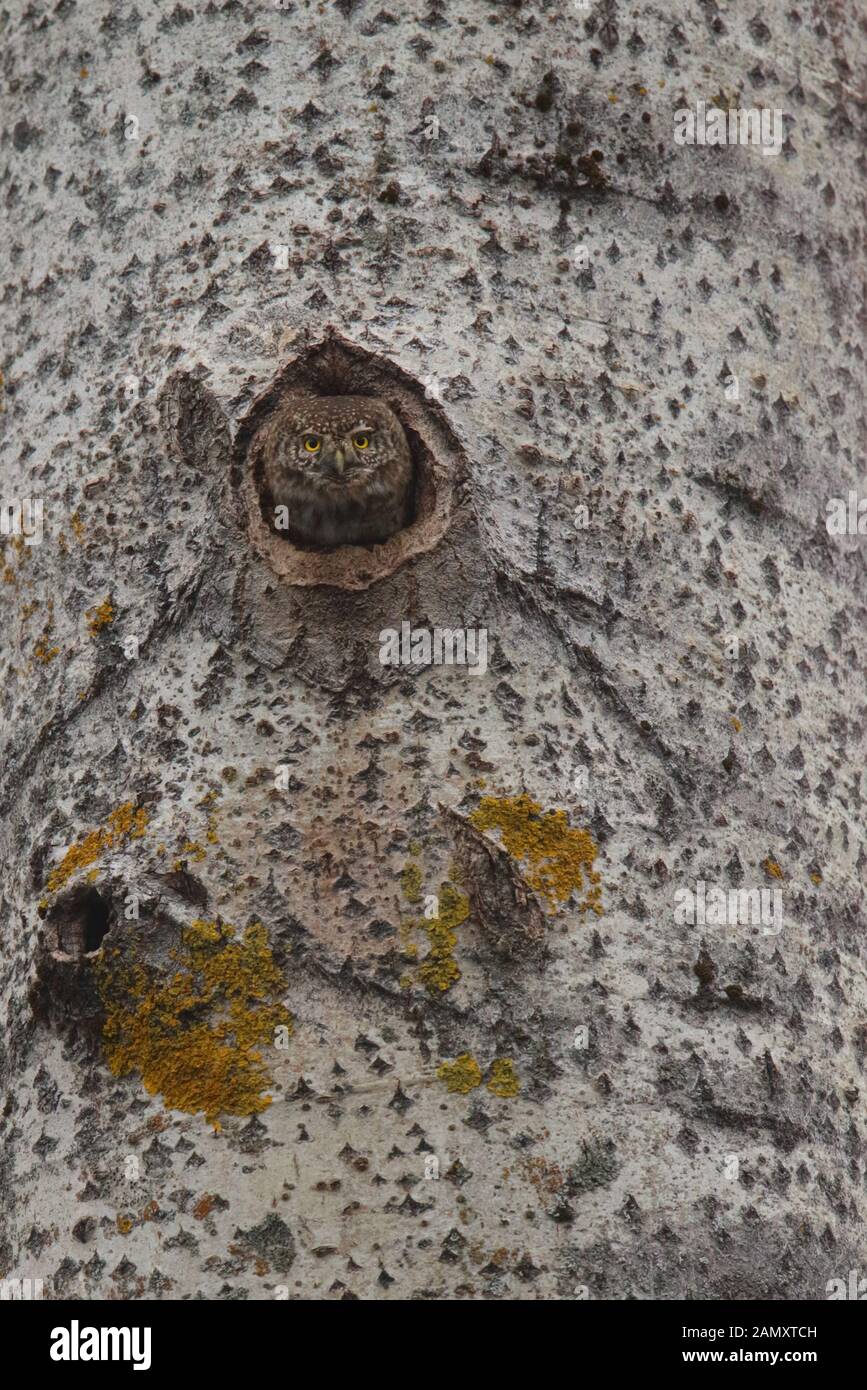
(326, 977)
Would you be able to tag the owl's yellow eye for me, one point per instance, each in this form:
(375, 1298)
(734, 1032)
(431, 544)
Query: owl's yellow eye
(312, 443)
(361, 441)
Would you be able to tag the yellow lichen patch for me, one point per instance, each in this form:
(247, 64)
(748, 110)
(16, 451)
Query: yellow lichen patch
(194, 1035)
(735, 723)
(408, 946)
(127, 822)
(503, 1080)
(15, 548)
(772, 868)
(410, 881)
(77, 525)
(193, 850)
(816, 878)
(439, 970)
(209, 802)
(461, 1075)
(99, 617)
(42, 652)
(559, 857)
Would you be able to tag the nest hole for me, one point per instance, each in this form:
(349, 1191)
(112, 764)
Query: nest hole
(79, 923)
(335, 367)
(64, 992)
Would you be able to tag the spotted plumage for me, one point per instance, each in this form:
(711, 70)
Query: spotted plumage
(340, 466)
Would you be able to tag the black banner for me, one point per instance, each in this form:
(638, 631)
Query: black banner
(198, 1337)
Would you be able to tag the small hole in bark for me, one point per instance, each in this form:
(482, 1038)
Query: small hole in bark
(334, 367)
(80, 921)
(64, 992)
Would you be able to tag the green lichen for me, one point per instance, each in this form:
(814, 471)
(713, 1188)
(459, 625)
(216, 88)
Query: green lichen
(194, 1036)
(439, 970)
(411, 882)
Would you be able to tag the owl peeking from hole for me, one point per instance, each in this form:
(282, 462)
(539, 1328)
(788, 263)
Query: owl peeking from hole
(340, 466)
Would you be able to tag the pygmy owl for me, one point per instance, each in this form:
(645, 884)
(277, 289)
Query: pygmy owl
(340, 465)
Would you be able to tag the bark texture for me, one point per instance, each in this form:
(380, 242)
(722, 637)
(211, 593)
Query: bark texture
(242, 858)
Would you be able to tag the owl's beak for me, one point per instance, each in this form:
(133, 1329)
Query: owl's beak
(338, 462)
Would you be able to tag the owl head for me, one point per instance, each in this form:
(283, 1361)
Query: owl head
(337, 470)
(340, 440)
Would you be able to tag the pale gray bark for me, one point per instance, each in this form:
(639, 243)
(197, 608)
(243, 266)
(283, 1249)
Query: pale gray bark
(709, 1139)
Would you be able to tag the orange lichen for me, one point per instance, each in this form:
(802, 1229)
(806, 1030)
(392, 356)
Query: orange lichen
(503, 1079)
(194, 1035)
(99, 617)
(462, 1075)
(194, 851)
(546, 1177)
(558, 856)
(44, 653)
(127, 822)
(772, 868)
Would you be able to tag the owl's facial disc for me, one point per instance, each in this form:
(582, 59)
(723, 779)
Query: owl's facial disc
(337, 457)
